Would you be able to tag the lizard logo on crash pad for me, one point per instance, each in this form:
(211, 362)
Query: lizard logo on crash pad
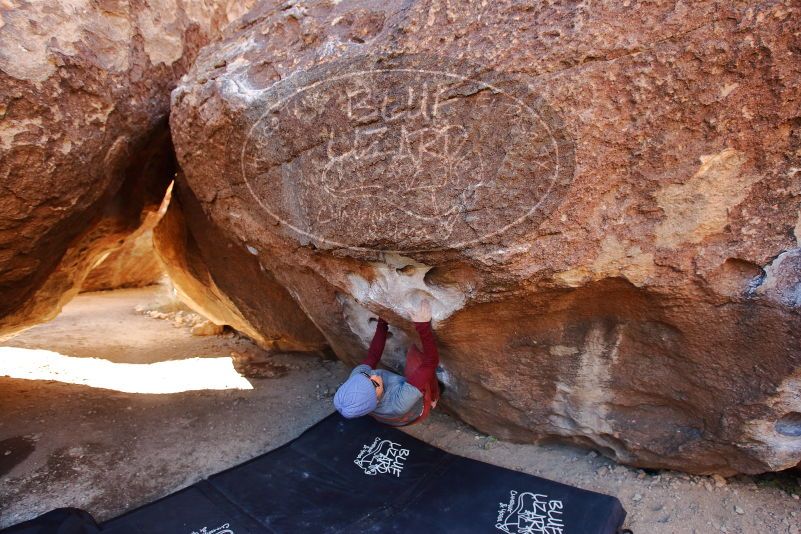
(530, 513)
(222, 529)
(382, 456)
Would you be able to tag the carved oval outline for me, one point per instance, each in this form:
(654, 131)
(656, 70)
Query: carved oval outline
(336, 244)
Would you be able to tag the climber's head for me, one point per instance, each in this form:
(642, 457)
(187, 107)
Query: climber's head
(359, 395)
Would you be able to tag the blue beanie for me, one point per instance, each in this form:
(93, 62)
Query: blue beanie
(356, 397)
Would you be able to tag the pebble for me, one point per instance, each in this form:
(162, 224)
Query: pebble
(637, 497)
(207, 328)
(739, 510)
(719, 481)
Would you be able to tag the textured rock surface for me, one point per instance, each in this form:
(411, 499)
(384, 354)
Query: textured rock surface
(134, 264)
(601, 199)
(84, 146)
(222, 281)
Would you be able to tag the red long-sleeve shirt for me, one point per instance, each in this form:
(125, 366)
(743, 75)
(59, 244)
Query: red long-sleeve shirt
(422, 375)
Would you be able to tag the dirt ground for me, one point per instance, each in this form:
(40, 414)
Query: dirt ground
(107, 452)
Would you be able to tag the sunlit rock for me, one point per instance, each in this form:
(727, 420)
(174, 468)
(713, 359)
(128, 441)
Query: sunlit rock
(85, 152)
(592, 196)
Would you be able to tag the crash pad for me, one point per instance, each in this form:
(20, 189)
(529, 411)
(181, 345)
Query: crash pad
(358, 476)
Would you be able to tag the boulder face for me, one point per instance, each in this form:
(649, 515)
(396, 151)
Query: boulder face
(86, 152)
(601, 200)
(134, 264)
(219, 279)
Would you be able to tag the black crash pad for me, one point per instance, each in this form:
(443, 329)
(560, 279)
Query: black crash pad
(358, 476)
(58, 521)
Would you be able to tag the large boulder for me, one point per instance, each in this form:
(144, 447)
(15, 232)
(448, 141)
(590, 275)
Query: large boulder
(601, 199)
(85, 151)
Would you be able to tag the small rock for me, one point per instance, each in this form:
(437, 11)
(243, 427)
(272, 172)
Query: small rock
(739, 510)
(592, 454)
(207, 328)
(489, 442)
(637, 497)
(795, 496)
(719, 481)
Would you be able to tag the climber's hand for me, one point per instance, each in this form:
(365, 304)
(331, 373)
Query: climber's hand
(423, 313)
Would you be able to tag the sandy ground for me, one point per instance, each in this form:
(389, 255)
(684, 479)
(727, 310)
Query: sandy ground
(107, 451)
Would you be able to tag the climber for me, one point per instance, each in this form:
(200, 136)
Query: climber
(388, 397)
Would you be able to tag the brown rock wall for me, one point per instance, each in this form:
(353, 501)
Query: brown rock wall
(85, 153)
(225, 283)
(601, 199)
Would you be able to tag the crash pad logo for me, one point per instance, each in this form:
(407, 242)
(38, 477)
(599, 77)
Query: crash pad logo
(530, 513)
(382, 457)
(222, 529)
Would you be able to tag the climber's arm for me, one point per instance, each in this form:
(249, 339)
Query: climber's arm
(423, 374)
(377, 344)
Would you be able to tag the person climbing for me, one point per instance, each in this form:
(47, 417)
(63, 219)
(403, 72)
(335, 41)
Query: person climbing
(389, 397)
